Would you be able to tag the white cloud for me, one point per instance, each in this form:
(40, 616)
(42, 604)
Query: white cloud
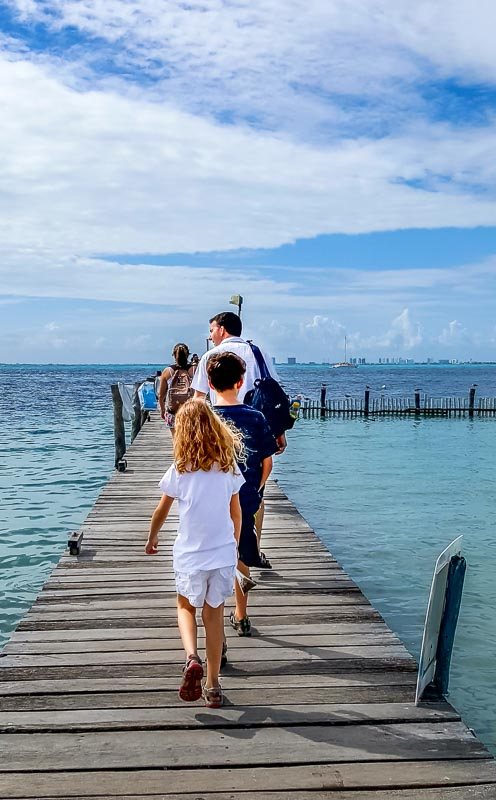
(454, 333)
(275, 59)
(322, 338)
(403, 333)
(328, 133)
(86, 172)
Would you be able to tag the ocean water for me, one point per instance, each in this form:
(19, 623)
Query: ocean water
(386, 495)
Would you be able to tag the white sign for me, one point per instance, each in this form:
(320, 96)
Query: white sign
(435, 608)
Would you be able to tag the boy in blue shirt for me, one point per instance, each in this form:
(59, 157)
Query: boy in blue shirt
(225, 375)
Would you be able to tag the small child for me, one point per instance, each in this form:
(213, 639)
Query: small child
(205, 479)
(225, 374)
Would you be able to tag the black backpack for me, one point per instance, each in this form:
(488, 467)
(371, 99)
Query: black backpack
(269, 397)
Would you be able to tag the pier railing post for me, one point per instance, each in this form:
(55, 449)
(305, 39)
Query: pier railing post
(471, 401)
(417, 402)
(323, 392)
(440, 623)
(119, 430)
(136, 427)
(452, 602)
(366, 401)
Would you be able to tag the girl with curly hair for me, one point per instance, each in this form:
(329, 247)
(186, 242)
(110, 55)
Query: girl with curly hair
(205, 479)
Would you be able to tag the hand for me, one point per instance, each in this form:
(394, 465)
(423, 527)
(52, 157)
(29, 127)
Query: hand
(282, 443)
(151, 547)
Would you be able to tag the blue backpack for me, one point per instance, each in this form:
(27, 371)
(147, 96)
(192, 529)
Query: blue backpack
(147, 396)
(269, 397)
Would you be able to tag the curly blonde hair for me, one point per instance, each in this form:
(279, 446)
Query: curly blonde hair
(202, 439)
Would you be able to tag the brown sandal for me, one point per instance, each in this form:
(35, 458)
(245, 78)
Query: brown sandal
(191, 688)
(213, 697)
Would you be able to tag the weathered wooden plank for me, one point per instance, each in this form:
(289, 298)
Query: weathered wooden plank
(257, 746)
(194, 716)
(298, 631)
(55, 590)
(267, 666)
(235, 680)
(480, 792)
(241, 653)
(112, 618)
(146, 573)
(259, 599)
(173, 643)
(282, 695)
(341, 778)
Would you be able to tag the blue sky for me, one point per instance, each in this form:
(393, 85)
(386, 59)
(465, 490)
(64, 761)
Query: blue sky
(332, 161)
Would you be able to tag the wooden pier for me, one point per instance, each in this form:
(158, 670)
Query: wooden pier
(319, 702)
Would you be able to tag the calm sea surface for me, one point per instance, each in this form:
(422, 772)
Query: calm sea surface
(385, 495)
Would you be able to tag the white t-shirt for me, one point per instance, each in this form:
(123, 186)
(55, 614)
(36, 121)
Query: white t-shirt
(205, 537)
(234, 344)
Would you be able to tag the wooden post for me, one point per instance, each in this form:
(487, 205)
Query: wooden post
(417, 402)
(453, 598)
(323, 392)
(119, 430)
(471, 400)
(136, 427)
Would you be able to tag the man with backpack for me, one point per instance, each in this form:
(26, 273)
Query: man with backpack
(260, 388)
(225, 333)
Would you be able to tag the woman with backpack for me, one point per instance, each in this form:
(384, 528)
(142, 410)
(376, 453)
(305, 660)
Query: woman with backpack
(175, 384)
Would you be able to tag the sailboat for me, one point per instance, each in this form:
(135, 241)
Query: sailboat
(346, 364)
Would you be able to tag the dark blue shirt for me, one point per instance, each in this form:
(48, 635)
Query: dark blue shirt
(257, 437)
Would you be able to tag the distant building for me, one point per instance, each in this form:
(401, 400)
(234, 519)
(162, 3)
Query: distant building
(291, 360)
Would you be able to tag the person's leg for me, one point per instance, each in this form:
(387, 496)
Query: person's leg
(241, 599)
(259, 518)
(213, 620)
(190, 688)
(186, 621)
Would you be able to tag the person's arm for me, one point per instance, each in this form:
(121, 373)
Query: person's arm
(235, 511)
(266, 470)
(162, 390)
(200, 378)
(158, 518)
(282, 443)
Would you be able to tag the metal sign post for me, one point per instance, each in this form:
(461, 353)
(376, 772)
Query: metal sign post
(237, 300)
(440, 623)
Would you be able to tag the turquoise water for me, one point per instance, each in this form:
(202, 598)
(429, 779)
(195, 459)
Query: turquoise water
(385, 495)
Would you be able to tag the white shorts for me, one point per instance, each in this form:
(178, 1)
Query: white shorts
(211, 586)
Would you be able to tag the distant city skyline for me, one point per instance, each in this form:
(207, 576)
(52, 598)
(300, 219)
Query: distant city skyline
(159, 158)
(395, 361)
